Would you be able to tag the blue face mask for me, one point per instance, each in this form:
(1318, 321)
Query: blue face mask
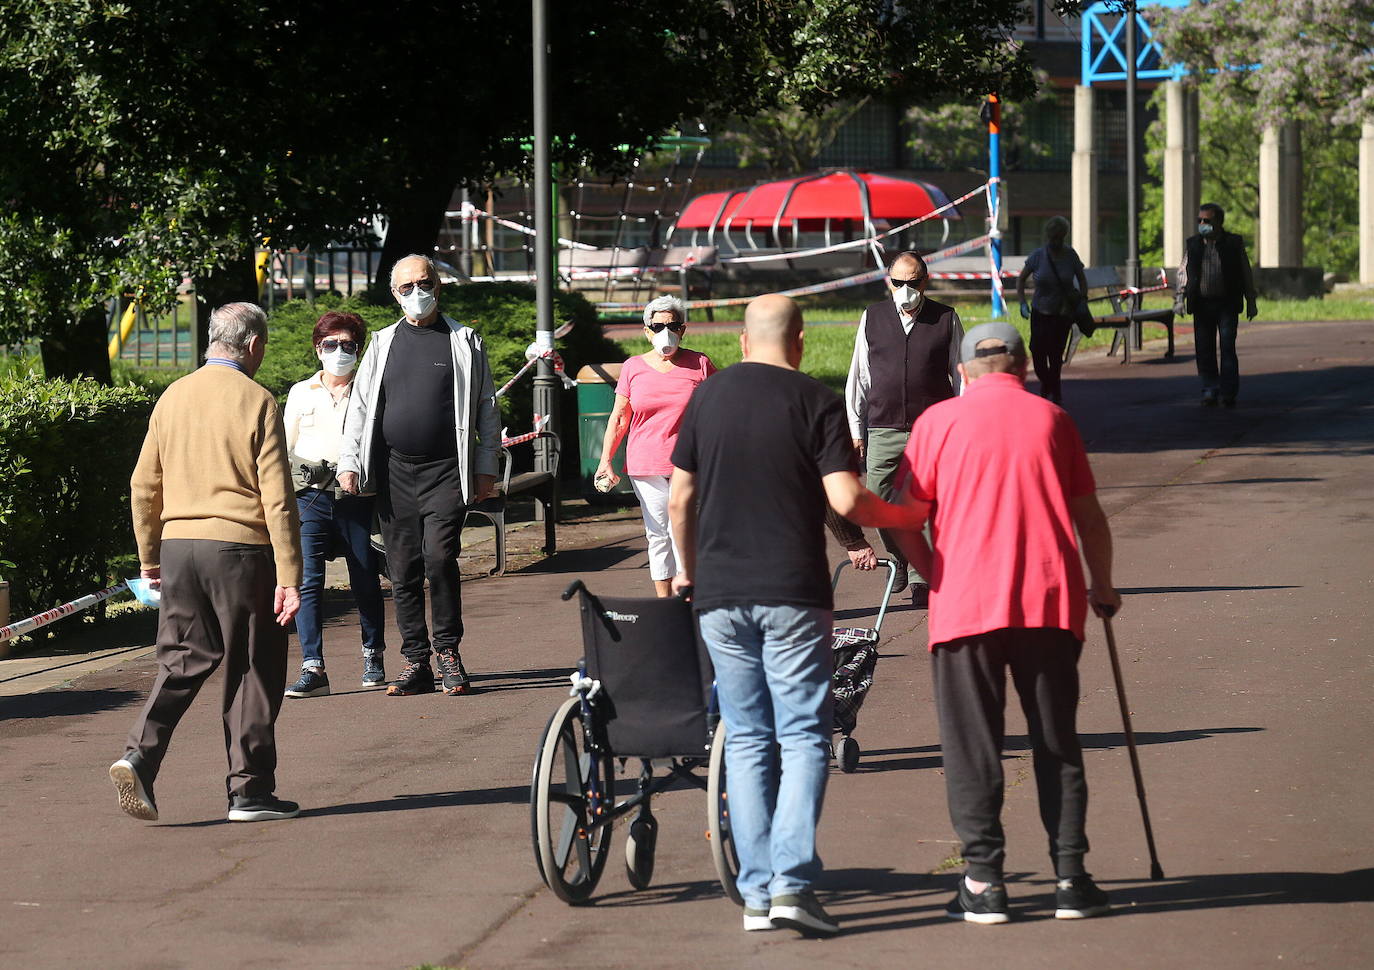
(1205, 228)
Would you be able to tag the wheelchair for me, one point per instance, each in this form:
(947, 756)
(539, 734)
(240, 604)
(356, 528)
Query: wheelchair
(644, 691)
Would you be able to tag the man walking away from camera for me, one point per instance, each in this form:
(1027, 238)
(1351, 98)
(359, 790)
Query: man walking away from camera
(760, 451)
(1008, 479)
(215, 519)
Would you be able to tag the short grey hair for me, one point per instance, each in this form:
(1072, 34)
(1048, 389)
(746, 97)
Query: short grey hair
(233, 325)
(1056, 226)
(430, 267)
(665, 304)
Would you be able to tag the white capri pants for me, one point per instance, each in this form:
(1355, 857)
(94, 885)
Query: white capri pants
(652, 492)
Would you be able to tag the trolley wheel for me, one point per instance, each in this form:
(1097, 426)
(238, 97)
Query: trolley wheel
(718, 820)
(570, 841)
(849, 755)
(639, 851)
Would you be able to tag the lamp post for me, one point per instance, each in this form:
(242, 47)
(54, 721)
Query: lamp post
(545, 380)
(1132, 175)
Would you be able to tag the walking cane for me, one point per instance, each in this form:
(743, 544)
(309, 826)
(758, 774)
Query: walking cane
(1156, 872)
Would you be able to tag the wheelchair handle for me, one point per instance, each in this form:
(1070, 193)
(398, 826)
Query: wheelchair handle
(572, 589)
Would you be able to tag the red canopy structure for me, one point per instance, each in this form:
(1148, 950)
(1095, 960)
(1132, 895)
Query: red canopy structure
(812, 203)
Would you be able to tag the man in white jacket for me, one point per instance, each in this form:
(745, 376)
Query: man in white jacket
(424, 433)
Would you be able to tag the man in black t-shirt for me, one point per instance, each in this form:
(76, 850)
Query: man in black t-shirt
(760, 450)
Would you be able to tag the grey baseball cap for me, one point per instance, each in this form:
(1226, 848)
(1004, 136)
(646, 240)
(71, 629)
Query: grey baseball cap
(1004, 332)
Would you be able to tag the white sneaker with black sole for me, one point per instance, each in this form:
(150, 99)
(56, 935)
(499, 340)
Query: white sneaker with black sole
(134, 798)
(802, 912)
(261, 808)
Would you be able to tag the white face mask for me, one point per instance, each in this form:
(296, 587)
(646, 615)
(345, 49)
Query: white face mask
(417, 303)
(907, 298)
(665, 341)
(339, 363)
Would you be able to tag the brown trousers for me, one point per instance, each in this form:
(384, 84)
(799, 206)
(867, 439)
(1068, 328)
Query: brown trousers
(217, 605)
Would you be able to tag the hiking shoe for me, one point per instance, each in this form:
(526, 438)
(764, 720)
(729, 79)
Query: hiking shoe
(416, 678)
(135, 796)
(456, 679)
(260, 808)
(1078, 898)
(802, 912)
(756, 919)
(374, 674)
(313, 683)
(1209, 399)
(986, 908)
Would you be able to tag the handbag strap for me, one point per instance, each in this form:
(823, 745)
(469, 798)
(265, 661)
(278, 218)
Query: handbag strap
(1049, 258)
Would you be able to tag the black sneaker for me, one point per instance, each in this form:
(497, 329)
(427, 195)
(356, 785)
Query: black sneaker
(1228, 402)
(802, 912)
(313, 683)
(986, 908)
(1078, 898)
(456, 679)
(899, 582)
(757, 919)
(374, 673)
(260, 808)
(135, 795)
(1209, 399)
(416, 678)
(920, 596)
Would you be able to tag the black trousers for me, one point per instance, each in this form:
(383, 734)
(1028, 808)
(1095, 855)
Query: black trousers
(970, 696)
(420, 509)
(217, 606)
(1049, 335)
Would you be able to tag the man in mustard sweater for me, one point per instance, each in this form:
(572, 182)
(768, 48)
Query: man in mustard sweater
(217, 529)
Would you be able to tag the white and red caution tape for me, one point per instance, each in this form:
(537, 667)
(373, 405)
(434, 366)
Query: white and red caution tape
(541, 421)
(58, 612)
(470, 213)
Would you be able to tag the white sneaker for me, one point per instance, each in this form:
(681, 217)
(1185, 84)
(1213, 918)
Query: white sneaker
(134, 798)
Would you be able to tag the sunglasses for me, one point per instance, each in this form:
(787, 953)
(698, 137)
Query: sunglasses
(674, 327)
(330, 344)
(898, 284)
(405, 288)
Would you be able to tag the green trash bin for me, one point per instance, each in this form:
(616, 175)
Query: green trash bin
(595, 398)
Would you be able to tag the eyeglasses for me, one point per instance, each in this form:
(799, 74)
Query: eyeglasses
(329, 344)
(898, 284)
(424, 284)
(674, 327)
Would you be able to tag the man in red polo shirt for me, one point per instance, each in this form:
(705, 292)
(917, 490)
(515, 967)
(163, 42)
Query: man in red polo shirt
(1005, 478)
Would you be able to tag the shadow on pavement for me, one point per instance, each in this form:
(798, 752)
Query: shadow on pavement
(1225, 890)
(543, 679)
(1145, 590)
(65, 703)
(1229, 481)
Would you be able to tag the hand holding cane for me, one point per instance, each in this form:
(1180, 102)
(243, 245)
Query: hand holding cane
(1156, 872)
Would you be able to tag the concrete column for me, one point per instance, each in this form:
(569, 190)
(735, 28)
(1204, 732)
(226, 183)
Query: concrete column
(1083, 217)
(1367, 203)
(1280, 196)
(1182, 173)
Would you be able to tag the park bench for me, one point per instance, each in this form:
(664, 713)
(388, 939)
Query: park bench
(541, 485)
(1126, 318)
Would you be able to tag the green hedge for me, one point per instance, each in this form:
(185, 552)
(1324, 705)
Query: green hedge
(67, 449)
(503, 313)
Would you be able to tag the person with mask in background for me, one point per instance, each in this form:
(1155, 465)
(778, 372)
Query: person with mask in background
(1214, 280)
(650, 398)
(906, 358)
(424, 432)
(331, 519)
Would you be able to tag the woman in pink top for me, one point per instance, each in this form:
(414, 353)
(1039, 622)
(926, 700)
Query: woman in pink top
(650, 396)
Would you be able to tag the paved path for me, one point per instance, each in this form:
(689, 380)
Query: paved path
(1243, 549)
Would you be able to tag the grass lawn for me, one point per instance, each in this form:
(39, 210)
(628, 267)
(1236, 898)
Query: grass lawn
(829, 344)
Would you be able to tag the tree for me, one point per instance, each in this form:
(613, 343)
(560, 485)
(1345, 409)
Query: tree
(1304, 60)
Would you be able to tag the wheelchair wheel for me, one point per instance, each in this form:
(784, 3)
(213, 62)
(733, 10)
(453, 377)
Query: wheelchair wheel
(718, 819)
(639, 851)
(571, 852)
(848, 755)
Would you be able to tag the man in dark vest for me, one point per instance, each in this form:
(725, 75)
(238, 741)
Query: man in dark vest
(1213, 281)
(906, 358)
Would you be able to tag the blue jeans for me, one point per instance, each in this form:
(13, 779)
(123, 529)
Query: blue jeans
(1215, 322)
(346, 522)
(773, 667)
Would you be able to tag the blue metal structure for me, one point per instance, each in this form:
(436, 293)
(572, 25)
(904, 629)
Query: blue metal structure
(1104, 45)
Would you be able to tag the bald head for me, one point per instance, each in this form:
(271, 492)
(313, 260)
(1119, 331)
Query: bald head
(772, 331)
